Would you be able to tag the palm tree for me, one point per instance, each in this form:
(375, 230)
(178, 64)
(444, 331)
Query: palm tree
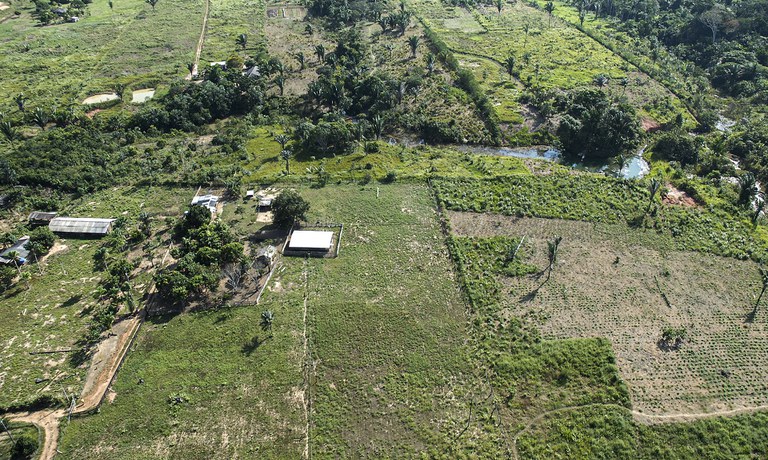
(759, 207)
(390, 47)
(111, 5)
(10, 133)
(549, 7)
(309, 29)
(378, 126)
(764, 279)
(242, 41)
(152, 3)
(653, 188)
(552, 249)
(14, 256)
(526, 29)
(413, 42)
(20, 101)
(267, 318)
(302, 60)
(499, 5)
(320, 52)
(282, 139)
(748, 188)
(280, 82)
(40, 118)
(509, 64)
(601, 80)
(624, 82)
(431, 63)
(286, 155)
(145, 224)
(191, 68)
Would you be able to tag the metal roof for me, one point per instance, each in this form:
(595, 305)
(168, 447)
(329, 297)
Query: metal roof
(86, 225)
(40, 215)
(19, 247)
(310, 239)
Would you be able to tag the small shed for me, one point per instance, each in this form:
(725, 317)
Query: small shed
(77, 226)
(207, 201)
(41, 218)
(265, 203)
(221, 64)
(311, 240)
(249, 194)
(20, 248)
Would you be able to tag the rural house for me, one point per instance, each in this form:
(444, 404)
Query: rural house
(20, 248)
(37, 218)
(80, 226)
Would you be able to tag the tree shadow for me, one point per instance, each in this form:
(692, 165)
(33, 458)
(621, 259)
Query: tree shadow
(750, 317)
(252, 345)
(71, 301)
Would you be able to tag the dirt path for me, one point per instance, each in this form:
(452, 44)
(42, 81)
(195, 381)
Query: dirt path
(103, 367)
(306, 363)
(638, 416)
(199, 48)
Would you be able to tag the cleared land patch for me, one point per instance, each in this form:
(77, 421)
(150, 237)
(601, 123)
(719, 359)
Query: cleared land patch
(609, 282)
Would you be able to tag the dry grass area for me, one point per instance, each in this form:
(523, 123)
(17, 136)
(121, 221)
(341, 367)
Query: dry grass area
(610, 281)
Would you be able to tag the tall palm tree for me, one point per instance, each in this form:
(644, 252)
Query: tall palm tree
(280, 82)
(552, 250)
(764, 279)
(267, 318)
(499, 5)
(601, 80)
(413, 42)
(191, 67)
(653, 188)
(286, 155)
(748, 184)
(242, 41)
(320, 52)
(145, 224)
(378, 126)
(152, 3)
(549, 7)
(302, 60)
(119, 90)
(14, 256)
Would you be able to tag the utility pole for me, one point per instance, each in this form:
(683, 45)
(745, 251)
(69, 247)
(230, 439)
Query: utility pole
(5, 428)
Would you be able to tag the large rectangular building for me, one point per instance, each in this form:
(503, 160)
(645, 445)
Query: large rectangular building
(308, 240)
(81, 226)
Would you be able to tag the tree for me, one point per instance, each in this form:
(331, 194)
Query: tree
(309, 29)
(677, 146)
(41, 241)
(748, 188)
(378, 125)
(40, 118)
(601, 80)
(302, 60)
(286, 155)
(413, 42)
(764, 279)
(552, 250)
(509, 64)
(191, 68)
(653, 188)
(10, 132)
(24, 447)
(713, 19)
(549, 7)
(152, 3)
(282, 139)
(15, 258)
(7, 275)
(582, 16)
(145, 224)
(267, 318)
(20, 101)
(320, 53)
(499, 5)
(289, 207)
(242, 41)
(111, 5)
(431, 63)
(280, 83)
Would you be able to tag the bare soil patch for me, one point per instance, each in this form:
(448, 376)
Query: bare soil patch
(678, 197)
(4, 6)
(609, 283)
(98, 98)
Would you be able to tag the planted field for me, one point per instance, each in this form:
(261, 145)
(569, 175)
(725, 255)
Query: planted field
(228, 19)
(629, 290)
(548, 53)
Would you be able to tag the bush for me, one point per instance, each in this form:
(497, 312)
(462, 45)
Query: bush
(41, 241)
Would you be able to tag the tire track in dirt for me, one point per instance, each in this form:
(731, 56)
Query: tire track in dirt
(199, 48)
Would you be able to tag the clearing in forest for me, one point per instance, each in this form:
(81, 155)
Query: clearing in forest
(624, 285)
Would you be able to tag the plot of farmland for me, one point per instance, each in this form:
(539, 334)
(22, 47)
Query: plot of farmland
(608, 282)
